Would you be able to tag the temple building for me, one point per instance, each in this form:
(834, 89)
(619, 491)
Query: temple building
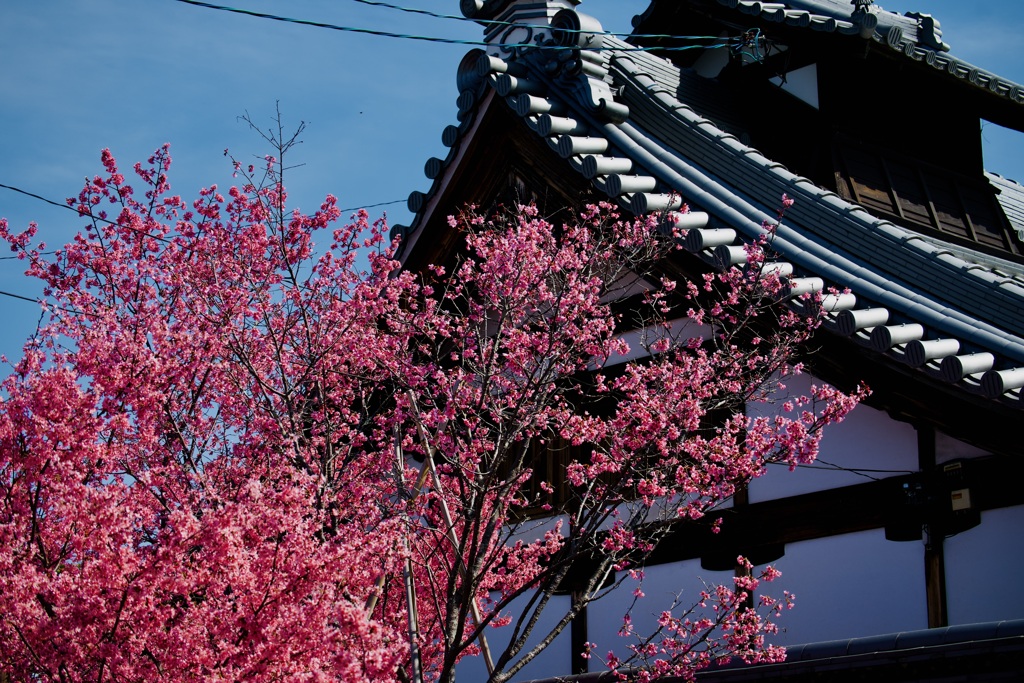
(904, 542)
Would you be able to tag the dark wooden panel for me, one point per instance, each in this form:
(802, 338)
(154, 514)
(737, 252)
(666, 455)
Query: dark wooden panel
(872, 505)
(945, 200)
(867, 177)
(923, 197)
(986, 218)
(906, 183)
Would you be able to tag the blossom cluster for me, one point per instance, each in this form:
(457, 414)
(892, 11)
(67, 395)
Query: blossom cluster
(233, 454)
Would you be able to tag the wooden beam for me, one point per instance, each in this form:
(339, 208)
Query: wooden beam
(760, 528)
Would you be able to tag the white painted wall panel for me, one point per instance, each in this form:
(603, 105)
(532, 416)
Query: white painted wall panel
(662, 584)
(851, 586)
(868, 444)
(554, 660)
(984, 566)
(947, 448)
(802, 83)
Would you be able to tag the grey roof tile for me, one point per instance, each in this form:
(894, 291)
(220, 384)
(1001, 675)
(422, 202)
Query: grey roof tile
(952, 292)
(1011, 198)
(682, 137)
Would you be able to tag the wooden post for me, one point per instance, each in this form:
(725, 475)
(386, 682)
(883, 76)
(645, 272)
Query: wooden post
(935, 578)
(578, 638)
(934, 551)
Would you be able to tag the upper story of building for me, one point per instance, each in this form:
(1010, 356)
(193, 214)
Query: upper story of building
(865, 117)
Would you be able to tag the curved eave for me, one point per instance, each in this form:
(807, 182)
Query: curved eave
(424, 205)
(714, 159)
(884, 313)
(954, 67)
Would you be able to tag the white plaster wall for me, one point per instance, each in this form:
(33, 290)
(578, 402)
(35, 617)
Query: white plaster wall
(850, 586)
(984, 569)
(801, 83)
(846, 586)
(662, 584)
(556, 659)
(947, 448)
(867, 441)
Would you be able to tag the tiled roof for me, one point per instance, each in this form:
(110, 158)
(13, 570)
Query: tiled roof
(962, 278)
(953, 314)
(1011, 198)
(917, 36)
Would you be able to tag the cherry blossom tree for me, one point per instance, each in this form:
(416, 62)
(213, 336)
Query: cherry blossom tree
(231, 454)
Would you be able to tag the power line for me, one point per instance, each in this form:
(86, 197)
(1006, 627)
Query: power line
(11, 258)
(498, 22)
(320, 24)
(373, 206)
(82, 213)
(449, 41)
(41, 198)
(44, 199)
(834, 467)
(163, 239)
(19, 296)
(51, 307)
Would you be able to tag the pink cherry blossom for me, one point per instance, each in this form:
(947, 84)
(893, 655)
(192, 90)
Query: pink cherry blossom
(228, 443)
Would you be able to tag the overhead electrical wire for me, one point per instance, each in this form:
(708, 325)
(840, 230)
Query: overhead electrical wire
(834, 467)
(69, 208)
(48, 306)
(110, 222)
(498, 22)
(86, 214)
(51, 307)
(44, 199)
(14, 258)
(391, 34)
(373, 206)
(19, 296)
(452, 41)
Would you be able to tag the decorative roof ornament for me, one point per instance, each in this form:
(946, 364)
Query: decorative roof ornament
(583, 64)
(864, 16)
(929, 32)
(513, 26)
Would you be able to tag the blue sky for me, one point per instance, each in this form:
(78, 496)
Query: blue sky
(78, 76)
